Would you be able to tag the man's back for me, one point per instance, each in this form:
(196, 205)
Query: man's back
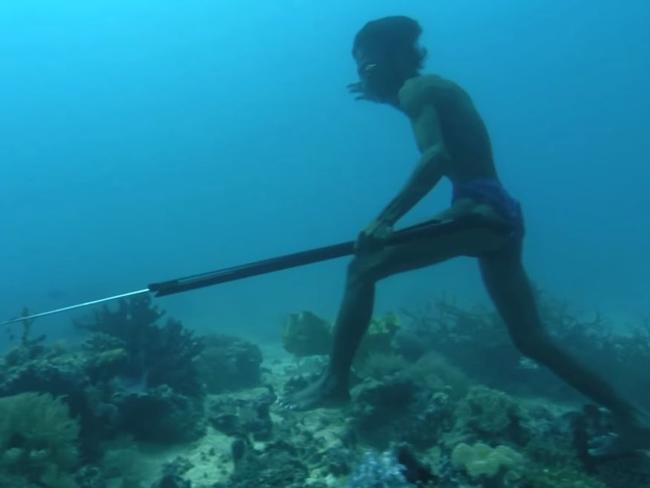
(464, 134)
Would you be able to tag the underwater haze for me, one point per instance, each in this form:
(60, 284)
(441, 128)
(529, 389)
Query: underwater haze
(144, 140)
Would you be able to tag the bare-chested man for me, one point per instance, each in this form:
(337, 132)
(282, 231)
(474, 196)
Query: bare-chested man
(454, 143)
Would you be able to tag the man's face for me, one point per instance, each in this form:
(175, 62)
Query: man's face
(374, 77)
(367, 71)
(364, 65)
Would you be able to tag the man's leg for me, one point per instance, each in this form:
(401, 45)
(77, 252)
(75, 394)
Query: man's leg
(356, 309)
(512, 294)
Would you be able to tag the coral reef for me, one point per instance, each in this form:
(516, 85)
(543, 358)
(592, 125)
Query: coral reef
(435, 373)
(127, 370)
(159, 355)
(379, 470)
(38, 441)
(413, 405)
(472, 339)
(379, 365)
(490, 415)
(476, 341)
(160, 414)
(242, 415)
(278, 465)
(51, 371)
(58, 372)
(378, 407)
(138, 370)
(90, 476)
(229, 364)
(172, 474)
(436, 403)
(106, 357)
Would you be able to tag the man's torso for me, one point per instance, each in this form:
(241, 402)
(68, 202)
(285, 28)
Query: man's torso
(465, 138)
(464, 134)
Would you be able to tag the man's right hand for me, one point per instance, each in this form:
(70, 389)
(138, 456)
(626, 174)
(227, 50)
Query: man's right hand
(374, 236)
(359, 92)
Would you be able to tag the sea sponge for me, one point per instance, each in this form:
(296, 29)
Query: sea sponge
(38, 440)
(482, 460)
(305, 334)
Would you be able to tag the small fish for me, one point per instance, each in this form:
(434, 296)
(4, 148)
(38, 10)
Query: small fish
(57, 295)
(527, 363)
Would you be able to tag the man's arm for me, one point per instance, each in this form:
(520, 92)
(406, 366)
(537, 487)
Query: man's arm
(429, 170)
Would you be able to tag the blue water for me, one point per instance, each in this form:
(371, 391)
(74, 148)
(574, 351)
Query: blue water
(144, 140)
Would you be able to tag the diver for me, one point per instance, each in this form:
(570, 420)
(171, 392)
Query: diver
(454, 143)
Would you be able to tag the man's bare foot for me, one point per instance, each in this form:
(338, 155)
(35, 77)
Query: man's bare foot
(631, 433)
(327, 391)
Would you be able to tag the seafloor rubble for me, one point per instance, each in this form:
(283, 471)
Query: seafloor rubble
(440, 399)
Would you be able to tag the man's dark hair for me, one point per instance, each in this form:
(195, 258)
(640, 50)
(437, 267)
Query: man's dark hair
(392, 40)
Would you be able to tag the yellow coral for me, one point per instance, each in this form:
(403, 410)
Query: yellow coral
(378, 338)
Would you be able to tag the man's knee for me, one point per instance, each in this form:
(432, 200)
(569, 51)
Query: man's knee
(363, 269)
(537, 346)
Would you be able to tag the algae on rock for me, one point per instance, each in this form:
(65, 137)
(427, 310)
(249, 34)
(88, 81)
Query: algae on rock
(38, 440)
(490, 414)
(481, 460)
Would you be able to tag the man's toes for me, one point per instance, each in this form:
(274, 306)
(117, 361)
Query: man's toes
(286, 404)
(605, 445)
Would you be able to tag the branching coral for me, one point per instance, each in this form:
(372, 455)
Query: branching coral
(144, 375)
(161, 355)
(476, 340)
(473, 339)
